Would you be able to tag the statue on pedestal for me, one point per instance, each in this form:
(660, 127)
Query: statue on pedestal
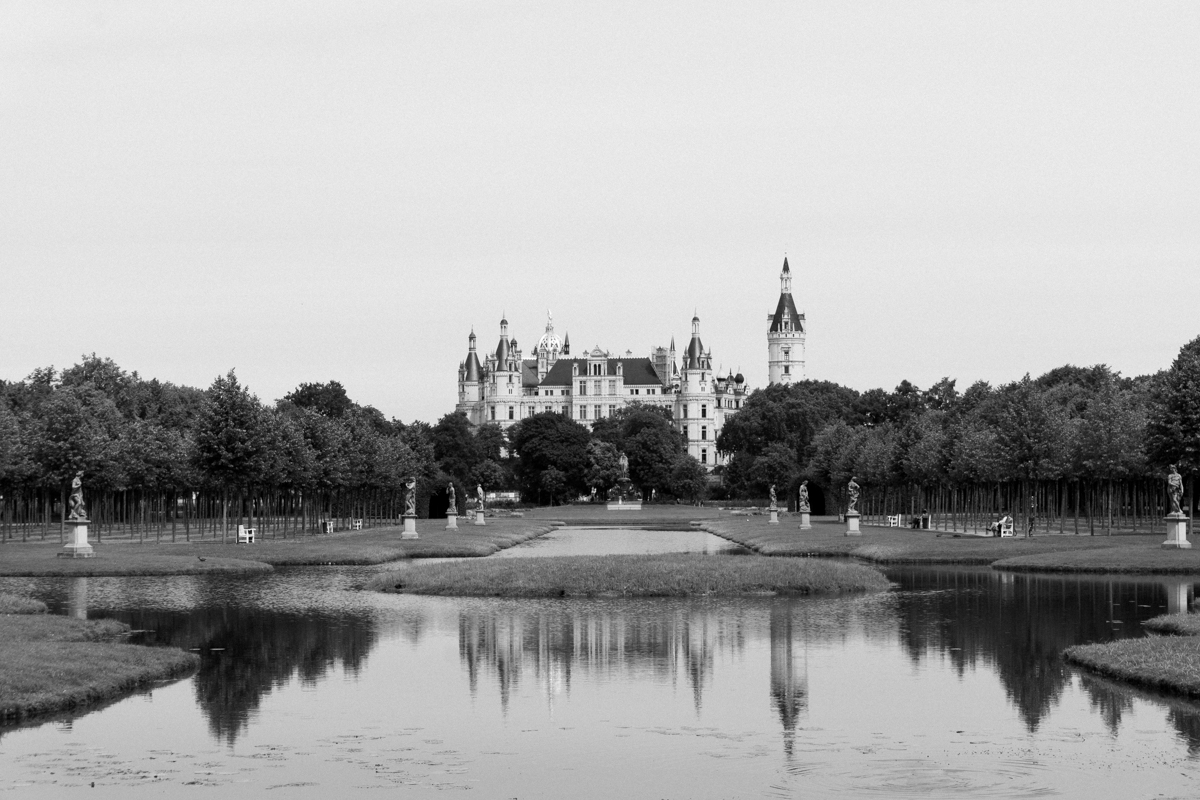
(451, 501)
(1174, 490)
(802, 500)
(772, 492)
(77, 510)
(624, 462)
(852, 492)
(479, 497)
(410, 497)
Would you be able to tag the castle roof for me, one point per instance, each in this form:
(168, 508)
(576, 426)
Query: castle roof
(786, 306)
(474, 370)
(635, 371)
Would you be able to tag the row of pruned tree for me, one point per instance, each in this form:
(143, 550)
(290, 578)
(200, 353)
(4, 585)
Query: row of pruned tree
(1074, 444)
(159, 457)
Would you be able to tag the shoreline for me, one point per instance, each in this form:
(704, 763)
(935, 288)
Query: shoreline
(357, 548)
(52, 665)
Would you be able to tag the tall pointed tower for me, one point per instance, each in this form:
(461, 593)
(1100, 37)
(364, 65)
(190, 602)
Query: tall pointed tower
(785, 339)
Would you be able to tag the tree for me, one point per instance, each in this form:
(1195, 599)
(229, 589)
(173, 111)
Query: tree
(230, 438)
(549, 440)
(1173, 431)
(328, 399)
(604, 466)
(455, 446)
(689, 479)
(491, 441)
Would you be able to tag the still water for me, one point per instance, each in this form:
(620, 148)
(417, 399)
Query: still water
(948, 686)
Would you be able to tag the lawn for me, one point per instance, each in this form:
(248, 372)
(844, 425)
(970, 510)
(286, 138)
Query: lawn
(671, 575)
(373, 546)
(51, 664)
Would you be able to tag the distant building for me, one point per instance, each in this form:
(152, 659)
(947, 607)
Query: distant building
(507, 385)
(785, 338)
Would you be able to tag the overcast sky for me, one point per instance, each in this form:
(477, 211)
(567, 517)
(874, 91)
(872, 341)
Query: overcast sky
(340, 191)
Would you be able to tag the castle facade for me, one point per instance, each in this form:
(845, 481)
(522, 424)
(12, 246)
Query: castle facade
(507, 385)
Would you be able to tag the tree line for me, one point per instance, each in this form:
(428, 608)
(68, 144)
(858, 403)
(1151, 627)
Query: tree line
(1075, 446)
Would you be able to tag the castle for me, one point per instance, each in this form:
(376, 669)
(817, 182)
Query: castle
(506, 386)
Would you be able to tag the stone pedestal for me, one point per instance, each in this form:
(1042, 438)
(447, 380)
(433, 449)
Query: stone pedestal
(1176, 533)
(479, 518)
(410, 528)
(805, 522)
(774, 516)
(452, 521)
(1177, 596)
(77, 542)
(852, 524)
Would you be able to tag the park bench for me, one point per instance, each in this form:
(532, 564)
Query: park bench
(893, 521)
(1006, 528)
(246, 535)
(356, 524)
(326, 526)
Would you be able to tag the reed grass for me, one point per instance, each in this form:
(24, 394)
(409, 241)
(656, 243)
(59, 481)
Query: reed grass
(16, 604)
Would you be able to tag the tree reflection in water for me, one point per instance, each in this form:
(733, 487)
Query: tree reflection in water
(262, 651)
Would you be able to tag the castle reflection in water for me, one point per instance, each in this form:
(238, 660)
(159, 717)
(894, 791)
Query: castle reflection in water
(551, 644)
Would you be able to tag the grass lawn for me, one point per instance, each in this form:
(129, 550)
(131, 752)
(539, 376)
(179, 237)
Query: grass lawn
(672, 575)
(1177, 624)
(905, 546)
(373, 546)
(1157, 662)
(51, 664)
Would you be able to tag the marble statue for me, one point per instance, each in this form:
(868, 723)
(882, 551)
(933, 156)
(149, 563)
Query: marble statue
(410, 497)
(852, 491)
(479, 497)
(1175, 490)
(451, 500)
(802, 502)
(624, 465)
(772, 491)
(77, 509)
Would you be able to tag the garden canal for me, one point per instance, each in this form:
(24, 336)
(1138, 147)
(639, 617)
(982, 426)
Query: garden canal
(951, 685)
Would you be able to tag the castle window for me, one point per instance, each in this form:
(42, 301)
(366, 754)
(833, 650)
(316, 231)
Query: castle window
(703, 431)
(583, 412)
(583, 387)
(493, 412)
(685, 410)
(596, 387)
(612, 410)
(703, 411)
(510, 412)
(787, 354)
(787, 369)
(612, 387)
(703, 455)
(597, 412)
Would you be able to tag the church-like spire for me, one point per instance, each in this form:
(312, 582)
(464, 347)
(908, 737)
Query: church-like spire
(474, 370)
(785, 278)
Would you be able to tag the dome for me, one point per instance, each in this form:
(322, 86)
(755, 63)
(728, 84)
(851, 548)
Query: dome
(738, 378)
(549, 342)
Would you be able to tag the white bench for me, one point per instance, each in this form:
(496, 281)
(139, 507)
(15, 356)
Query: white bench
(1006, 528)
(246, 535)
(356, 524)
(326, 526)
(893, 521)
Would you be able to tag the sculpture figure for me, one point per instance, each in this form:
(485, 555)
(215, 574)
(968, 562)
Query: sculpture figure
(77, 510)
(410, 497)
(802, 502)
(624, 461)
(852, 491)
(451, 501)
(772, 491)
(1175, 490)
(479, 497)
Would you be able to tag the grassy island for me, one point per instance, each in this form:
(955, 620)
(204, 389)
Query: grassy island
(672, 575)
(1169, 663)
(52, 664)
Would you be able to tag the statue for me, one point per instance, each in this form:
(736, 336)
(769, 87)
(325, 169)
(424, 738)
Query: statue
(78, 511)
(802, 502)
(1174, 490)
(624, 466)
(410, 497)
(451, 501)
(852, 491)
(479, 497)
(772, 490)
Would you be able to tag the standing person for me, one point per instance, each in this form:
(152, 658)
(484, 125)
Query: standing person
(1032, 516)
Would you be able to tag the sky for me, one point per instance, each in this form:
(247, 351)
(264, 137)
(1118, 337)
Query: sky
(307, 192)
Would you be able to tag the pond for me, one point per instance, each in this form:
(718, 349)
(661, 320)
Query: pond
(948, 686)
